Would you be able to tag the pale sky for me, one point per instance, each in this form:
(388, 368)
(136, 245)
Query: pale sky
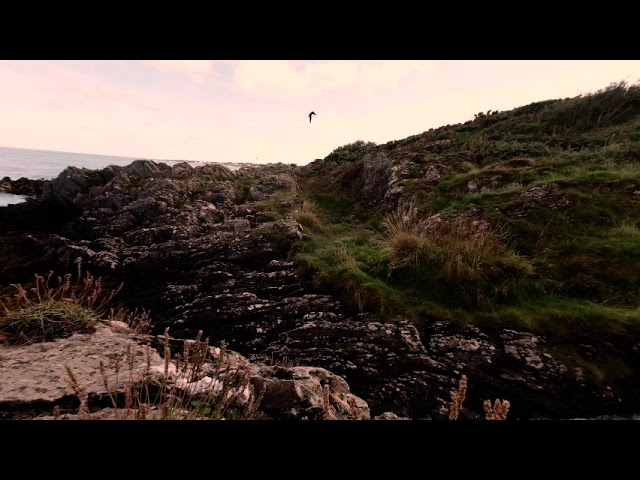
(256, 110)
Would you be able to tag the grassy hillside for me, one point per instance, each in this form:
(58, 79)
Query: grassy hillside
(527, 219)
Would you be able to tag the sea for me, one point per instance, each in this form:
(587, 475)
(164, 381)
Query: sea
(16, 163)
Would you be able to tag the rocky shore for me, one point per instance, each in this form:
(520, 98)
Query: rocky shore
(210, 249)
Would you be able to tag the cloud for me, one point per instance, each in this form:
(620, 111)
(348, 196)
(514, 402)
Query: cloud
(25, 84)
(198, 71)
(284, 79)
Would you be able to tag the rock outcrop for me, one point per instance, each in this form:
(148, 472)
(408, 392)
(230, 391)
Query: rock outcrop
(101, 365)
(202, 249)
(22, 186)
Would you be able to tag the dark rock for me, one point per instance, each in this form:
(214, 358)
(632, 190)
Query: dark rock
(199, 256)
(22, 186)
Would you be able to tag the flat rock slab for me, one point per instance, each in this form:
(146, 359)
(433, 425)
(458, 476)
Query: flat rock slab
(37, 373)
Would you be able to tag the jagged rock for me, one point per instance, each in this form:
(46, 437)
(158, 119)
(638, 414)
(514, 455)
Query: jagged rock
(22, 186)
(269, 183)
(36, 378)
(391, 367)
(73, 181)
(376, 176)
(485, 185)
(389, 416)
(534, 198)
(433, 173)
(297, 392)
(196, 255)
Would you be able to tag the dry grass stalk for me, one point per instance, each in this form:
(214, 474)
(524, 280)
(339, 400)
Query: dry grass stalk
(457, 398)
(138, 322)
(67, 307)
(128, 401)
(105, 382)
(184, 397)
(327, 409)
(167, 353)
(81, 393)
(253, 404)
(130, 358)
(309, 215)
(352, 408)
(497, 411)
(221, 358)
(143, 411)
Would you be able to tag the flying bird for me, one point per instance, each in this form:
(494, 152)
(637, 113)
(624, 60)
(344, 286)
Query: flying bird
(312, 113)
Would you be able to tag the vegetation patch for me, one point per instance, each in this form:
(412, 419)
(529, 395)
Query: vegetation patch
(532, 222)
(53, 308)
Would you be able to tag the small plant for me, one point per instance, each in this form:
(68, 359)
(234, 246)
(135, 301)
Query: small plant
(328, 412)
(201, 383)
(469, 258)
(350, 152)
(457, 399)
(497, 411)
(309, 215)
(138, 322)
(49, 311)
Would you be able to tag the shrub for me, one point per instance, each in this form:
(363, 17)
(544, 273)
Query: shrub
(455, 256)
(350, 152)
(309, 215)
(605, 107)
(46, 321)
(47, 312)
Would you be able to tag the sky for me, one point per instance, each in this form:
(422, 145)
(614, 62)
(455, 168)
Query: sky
(256, 111)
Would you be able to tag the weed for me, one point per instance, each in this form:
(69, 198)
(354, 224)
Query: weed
(46, 311)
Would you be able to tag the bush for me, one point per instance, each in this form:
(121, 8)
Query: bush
(44, 322)
(45, 312)
(607, 106)
(455, 257)
(350, 152)
(309, 215)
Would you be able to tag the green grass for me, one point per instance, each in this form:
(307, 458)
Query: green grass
(279, 204)
(243, 188)
(561, 260)
(350, 152)
(55, 307)
(558, 183)
(309, 215)
(46, 321)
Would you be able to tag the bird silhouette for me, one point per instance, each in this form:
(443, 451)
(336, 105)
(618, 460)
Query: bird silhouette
(312, 113)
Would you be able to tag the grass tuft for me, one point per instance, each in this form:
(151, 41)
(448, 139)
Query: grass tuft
(309, 215)
(54, 308)
(467, 258)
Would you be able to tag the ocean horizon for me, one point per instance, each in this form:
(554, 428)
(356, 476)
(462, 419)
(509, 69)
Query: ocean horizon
(35, 164)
